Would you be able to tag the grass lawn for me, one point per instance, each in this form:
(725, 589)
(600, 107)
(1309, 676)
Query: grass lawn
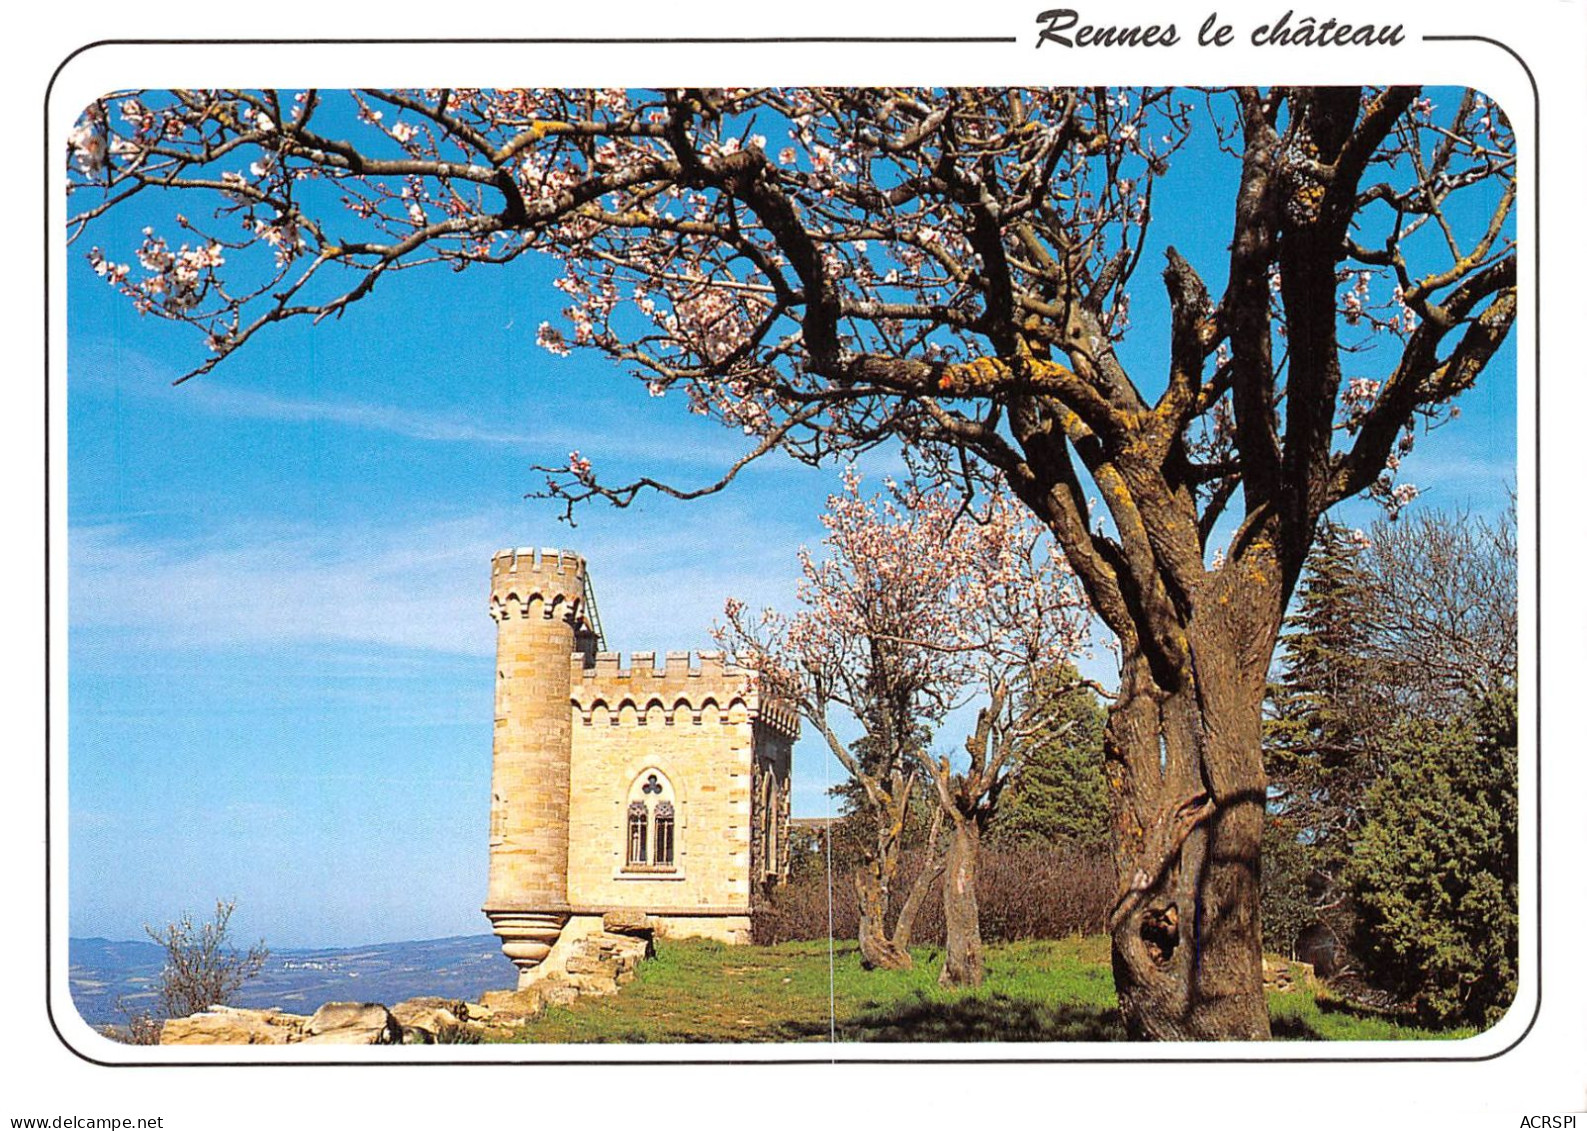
(1062, 990)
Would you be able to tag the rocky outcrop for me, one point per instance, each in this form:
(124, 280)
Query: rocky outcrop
(432, 1020)
(352, 1023)
(224, 1025)
(1281, 975)
(602, 962)
(596, 965)
(513, 1007)
(335, 1023)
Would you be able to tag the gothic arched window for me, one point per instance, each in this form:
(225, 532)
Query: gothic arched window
(638, 820)
(664, 834)
(651, 842)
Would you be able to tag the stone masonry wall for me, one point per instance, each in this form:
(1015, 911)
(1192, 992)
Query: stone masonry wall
(695, 726)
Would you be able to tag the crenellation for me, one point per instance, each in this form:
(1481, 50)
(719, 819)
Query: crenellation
(526, 587)
(526, 560)
(683, 689)
(681, 668)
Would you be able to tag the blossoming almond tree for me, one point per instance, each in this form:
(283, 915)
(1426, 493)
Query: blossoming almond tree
(920, 603)
(828, 269)
(873, 644)
(1020, 617)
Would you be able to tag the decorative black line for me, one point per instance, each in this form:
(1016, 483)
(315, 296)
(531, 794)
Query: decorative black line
(1537, 476)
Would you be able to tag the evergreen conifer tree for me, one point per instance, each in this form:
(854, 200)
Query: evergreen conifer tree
(1322, 737)
(1327, 711)
(1434, 869)
(1059, 795)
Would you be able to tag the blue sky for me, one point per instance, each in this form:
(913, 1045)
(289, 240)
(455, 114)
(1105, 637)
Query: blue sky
(280, 659)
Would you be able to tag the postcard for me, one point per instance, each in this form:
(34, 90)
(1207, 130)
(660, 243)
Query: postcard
(1012, 540)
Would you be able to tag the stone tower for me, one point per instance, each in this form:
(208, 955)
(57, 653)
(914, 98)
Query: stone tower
(657, 793)
(537, 602)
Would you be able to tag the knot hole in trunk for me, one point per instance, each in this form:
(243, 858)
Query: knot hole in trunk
(1160, 933)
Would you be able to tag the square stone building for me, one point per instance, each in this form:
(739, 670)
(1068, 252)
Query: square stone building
(660, 791)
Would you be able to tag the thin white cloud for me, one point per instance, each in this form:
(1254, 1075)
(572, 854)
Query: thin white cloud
(426, 425)
(652, 441)
(252, 584)
(661, 580)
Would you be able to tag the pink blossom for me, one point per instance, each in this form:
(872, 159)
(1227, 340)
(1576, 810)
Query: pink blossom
(947, 602)
(549, 338)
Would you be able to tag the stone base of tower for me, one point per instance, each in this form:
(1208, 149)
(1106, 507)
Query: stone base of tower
(527, 936)
(539, 942)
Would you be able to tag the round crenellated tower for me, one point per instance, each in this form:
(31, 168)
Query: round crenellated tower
(537, 602)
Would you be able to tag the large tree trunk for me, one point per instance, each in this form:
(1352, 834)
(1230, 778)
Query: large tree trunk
(905, 930)
(1185, 768)
(962, 965)
(877, 951)
(930, 872)
(888, 802)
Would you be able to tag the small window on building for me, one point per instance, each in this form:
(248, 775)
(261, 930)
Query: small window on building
(498, 819)
(637, 822)
(664, 826)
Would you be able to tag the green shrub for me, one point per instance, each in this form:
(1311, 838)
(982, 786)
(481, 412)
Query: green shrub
(1434, 868)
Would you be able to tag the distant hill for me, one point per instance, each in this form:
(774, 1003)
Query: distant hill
(298, 980)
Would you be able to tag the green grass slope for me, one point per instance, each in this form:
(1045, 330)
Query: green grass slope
(697, 991)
